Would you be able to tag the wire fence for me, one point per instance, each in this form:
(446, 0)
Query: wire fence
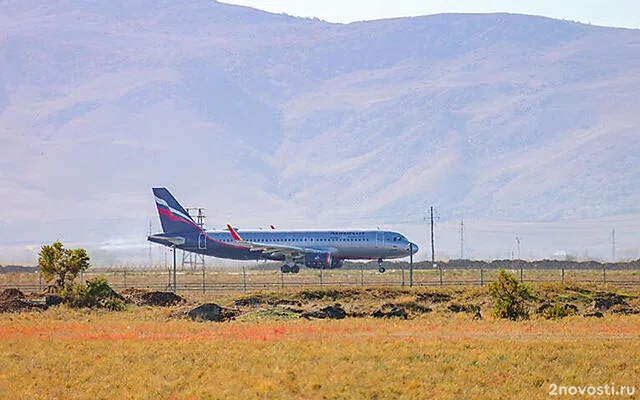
(226, 280)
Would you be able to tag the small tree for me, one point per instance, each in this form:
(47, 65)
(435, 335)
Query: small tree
(509, 297)
(61, 265)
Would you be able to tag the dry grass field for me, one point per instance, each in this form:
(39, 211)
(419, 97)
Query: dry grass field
(149, 353)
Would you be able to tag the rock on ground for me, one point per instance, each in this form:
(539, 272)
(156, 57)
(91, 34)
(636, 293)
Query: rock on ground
(206, 312)
(331, 312)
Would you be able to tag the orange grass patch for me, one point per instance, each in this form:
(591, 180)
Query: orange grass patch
(132, 356)
(576, 328)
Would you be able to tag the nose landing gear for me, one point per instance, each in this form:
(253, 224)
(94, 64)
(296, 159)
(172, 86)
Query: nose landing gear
(381, 269)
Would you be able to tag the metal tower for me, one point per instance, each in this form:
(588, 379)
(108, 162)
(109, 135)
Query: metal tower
(192, 259)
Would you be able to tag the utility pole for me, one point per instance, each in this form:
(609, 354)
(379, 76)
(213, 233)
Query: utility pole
(410, 264)
(519, 263)
(175, 289)
(462, 239)
(433, 248)
(150, 257)
(613, 245)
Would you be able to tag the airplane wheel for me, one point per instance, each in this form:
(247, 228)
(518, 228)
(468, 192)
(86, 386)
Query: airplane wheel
(285, 269)
(295, 269)
(381, 270)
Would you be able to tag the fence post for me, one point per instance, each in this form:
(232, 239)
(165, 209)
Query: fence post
(244, 279)
(125, 278)
(562, 274)
(402, 281)
(321, 269)
(361, 274)
(40, 279)
(481, 277)
(604, 274)
(521, 280)
(203, 281)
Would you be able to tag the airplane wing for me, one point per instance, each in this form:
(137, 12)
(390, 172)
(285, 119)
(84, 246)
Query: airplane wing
(276, 249)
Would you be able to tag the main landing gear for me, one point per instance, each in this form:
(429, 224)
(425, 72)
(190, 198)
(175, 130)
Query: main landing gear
(381, 269)
(286, 268)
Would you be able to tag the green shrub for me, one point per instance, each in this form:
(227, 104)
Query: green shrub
(558, 311)
(96, 294)
(510, 297)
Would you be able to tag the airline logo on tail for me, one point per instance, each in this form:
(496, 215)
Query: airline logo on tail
(172, 215)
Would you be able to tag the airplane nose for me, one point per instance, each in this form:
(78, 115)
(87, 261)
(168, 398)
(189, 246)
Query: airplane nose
(413, 248)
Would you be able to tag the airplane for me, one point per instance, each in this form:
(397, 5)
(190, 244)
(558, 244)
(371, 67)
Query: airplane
(319, 249)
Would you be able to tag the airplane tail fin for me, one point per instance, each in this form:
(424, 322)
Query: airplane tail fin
(173, 217)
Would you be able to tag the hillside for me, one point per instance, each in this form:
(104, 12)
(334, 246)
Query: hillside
(267, 118)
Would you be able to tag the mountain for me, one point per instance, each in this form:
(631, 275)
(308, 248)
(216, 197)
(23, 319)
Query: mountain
(265, 118)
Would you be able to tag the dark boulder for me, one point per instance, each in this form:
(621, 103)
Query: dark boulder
(331, 312)
(605, 301)
(206, 312)
(52, 300)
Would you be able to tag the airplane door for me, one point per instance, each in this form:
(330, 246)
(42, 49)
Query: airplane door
(202, 241)
(379, 239)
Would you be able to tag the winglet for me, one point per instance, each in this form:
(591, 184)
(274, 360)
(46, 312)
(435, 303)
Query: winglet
(234, 234)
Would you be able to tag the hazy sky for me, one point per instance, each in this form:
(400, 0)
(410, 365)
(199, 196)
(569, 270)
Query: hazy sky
(622, 13)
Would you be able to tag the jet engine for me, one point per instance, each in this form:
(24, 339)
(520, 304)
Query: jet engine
(322, 261)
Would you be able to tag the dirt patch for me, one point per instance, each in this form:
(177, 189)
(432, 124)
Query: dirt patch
(596, 314)
(17, 305)
(154, 299)
(579, 290)
(249, 302)
(434, 297)
(14, 301)
(10, 294)
(472, 309)
(604, 301)
(390, 311)
(415, 307)
(325, 294)
(624, 310)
